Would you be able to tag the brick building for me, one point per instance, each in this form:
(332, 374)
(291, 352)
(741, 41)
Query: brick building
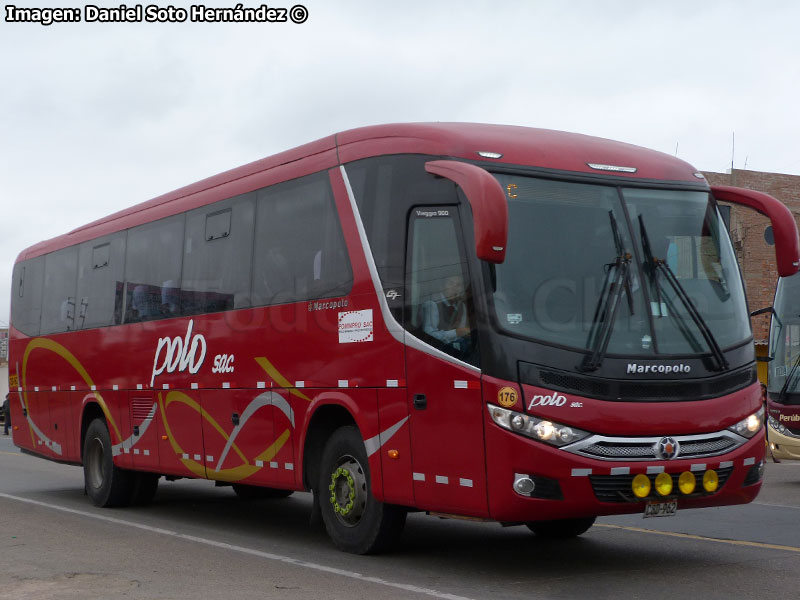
(749, 235)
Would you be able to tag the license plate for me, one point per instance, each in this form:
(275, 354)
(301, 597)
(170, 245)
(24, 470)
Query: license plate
(661, 509)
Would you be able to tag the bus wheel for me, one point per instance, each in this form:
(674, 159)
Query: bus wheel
(106, 484)
(256, 492)
(560, 529)
(144, 488)
(355, 521)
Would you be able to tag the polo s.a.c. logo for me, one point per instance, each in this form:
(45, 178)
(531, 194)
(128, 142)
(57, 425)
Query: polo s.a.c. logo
(179, 353)
(553, 399)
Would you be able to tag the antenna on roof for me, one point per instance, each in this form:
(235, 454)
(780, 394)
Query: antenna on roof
(676, 148)
(733, 148)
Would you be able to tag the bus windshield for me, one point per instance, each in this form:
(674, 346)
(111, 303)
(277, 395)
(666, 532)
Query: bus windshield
(784, 338)
(651, 271)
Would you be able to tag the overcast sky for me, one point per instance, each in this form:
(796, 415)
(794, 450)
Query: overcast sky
(95, 117)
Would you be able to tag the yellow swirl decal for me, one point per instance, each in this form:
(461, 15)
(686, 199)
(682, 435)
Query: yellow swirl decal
(61, 351)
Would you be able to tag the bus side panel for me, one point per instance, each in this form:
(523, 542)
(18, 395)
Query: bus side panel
(243, 438)
(33, 422)
(395, 451)
(446, 436)
(180, 445)
(62, 409)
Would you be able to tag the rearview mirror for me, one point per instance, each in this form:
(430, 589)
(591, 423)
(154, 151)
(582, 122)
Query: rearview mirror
(488, 202)
(787, 250)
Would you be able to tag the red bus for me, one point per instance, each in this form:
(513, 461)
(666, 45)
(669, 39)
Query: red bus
(490, 322)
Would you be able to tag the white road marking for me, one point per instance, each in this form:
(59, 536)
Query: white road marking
(241, 549)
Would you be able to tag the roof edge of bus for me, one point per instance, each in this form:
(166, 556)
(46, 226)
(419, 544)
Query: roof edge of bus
(530, 146)
(543, 148)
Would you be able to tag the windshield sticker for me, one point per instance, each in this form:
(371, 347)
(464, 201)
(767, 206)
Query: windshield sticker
(356, 326)
(514, 318)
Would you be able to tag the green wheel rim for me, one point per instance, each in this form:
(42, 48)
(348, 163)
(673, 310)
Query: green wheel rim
(348, 488)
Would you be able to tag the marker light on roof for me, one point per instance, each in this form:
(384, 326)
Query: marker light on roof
(614, 168)
(486, 154)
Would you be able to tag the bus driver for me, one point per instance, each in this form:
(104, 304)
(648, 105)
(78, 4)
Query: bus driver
(446, 317)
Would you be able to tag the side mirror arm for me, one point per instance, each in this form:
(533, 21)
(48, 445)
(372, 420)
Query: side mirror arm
(787, 246)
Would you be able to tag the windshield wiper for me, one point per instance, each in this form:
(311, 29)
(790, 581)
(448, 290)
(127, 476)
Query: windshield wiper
(605, 313)
(656, 265)
(789, 378)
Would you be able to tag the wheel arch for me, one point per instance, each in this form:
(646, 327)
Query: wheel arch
(326, 419)
(91, 411)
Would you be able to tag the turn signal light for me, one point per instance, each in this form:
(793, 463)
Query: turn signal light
(393, 454)
(664, 484)
(687, 482)
(710, 481)
(641, 486)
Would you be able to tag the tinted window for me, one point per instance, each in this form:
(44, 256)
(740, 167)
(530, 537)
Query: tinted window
(439, 299)
(218, 256)
(101, 267)
(26, 295)
(385, 189)
(60, 280)
(300, 253)
(153, 270)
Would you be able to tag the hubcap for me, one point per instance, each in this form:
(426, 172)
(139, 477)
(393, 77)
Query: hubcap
(348, 490)
(94, 463)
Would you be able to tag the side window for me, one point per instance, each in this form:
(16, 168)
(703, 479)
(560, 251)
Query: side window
(218, 253)
(26, 295)
(439, 296)
(300, 252)
(153, 270)
(101, 266)
(60, 281)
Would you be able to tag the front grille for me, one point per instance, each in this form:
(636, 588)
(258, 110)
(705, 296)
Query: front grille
(690, 446)
(617, 488)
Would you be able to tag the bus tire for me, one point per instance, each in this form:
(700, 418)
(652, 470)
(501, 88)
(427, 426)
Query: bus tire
(560, 529)
(256, 492)
(354, 519)
(144, 488)
(106, 484)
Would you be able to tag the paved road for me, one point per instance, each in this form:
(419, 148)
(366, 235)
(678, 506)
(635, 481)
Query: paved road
(197, 541)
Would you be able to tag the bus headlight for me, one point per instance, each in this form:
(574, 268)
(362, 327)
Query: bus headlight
(750, 426)
(543, 430)
(776, 425)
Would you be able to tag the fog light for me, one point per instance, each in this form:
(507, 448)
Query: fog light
(664, 484)
(523, 484)
(641, 486)
(687, 482)
(710, 481)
